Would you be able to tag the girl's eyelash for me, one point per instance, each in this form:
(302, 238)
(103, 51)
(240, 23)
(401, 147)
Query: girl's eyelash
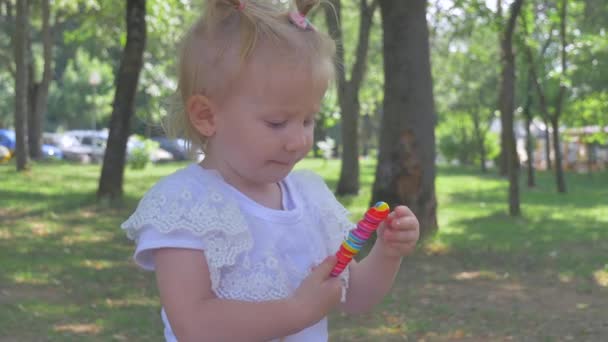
(280, 124)
(273, 124)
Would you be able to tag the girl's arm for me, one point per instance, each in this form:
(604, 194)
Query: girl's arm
(196, 314)
(370, 280)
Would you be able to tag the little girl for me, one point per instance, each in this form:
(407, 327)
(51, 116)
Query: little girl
(242, 246)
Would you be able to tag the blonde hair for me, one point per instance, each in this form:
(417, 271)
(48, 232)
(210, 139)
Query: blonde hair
(222, 41)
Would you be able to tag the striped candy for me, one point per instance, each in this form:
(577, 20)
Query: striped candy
(358, 236)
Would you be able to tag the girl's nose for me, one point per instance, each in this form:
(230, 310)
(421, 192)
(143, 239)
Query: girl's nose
(296, 141)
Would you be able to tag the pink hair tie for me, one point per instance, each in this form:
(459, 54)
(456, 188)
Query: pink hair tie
(241, 5)
(300, 21)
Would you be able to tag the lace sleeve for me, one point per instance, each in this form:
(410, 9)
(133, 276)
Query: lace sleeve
(203, 211)
(333, 216)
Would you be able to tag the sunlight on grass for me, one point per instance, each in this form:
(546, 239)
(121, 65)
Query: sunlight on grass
(128, 302)
(601, 277)
(97, 264)
(473, 275)
(566, 277)
(30, 278)
(75, 239)
(76, 328)
(68, 272)
(436, 247)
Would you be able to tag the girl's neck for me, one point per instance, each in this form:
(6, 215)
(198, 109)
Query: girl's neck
(266, 194)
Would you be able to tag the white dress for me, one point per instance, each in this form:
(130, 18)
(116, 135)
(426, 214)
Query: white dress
(254, 253)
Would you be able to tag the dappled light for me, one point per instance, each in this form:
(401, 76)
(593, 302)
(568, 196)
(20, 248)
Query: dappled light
(79, 329)
(601, 277)
(487, 275)
(478, 271)
(30, 278)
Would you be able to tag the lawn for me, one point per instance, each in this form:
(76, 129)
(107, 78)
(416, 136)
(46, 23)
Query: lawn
(66, 272)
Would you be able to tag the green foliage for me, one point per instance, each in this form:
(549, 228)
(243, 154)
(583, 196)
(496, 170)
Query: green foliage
(590, 111)
(139, 156)
(75, 103)
(456, 141)
(7, 99)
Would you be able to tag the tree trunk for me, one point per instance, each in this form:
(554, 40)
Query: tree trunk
(348, 184)
(21, 83)
(479, 139)
(110, 183)
(559, 171)
(548, 144)
(502, 157)
(529, 142)
(405, 172)
(40, 90)
(348, 91)
(529, 148)
(507, 107)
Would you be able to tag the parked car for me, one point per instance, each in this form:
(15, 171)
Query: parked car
(177, 147)
(90, 146)
(84, 145)
(8, 140)
(5, 154)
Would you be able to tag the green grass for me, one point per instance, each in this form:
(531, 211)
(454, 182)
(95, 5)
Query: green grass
(66, 271)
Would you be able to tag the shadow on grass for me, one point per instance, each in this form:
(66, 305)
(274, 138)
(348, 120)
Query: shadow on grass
(531, 244)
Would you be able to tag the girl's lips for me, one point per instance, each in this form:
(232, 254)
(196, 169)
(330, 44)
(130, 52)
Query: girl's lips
(281, 163)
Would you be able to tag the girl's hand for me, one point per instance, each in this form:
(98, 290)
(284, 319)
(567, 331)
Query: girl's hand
(398, 234)
(318, 293)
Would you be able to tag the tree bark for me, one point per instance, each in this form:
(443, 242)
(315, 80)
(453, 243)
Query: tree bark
(560, 181)
(405, 172)
(529, 142)
(21, 83)
(507, 107)
(110, 183)
(348, 91)
(40, 90)
(480, 140)
(548, 144)
(559, 171)
(552, 119)
(7, 25)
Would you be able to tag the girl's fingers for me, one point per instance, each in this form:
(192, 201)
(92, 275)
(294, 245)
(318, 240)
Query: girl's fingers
(400, 236)
(404, 223)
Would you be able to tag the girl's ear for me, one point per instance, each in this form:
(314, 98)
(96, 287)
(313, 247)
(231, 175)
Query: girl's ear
(201, 115)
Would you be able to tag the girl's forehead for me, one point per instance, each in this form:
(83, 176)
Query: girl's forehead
(284, 81)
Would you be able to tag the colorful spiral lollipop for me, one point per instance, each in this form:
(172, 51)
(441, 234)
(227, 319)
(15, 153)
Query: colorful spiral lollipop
(358, 236)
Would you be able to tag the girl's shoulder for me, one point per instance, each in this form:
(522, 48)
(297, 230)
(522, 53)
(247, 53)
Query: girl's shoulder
(190, 199)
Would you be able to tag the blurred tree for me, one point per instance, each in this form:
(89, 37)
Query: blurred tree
(507, 107)
(7, 53)
(111, 180)
(348, 89)
(406, 161)
(21, 83)
(469, 93)
(554, 117)
(39, 89)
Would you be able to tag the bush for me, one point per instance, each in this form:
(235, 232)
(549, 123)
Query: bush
(139, 155)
